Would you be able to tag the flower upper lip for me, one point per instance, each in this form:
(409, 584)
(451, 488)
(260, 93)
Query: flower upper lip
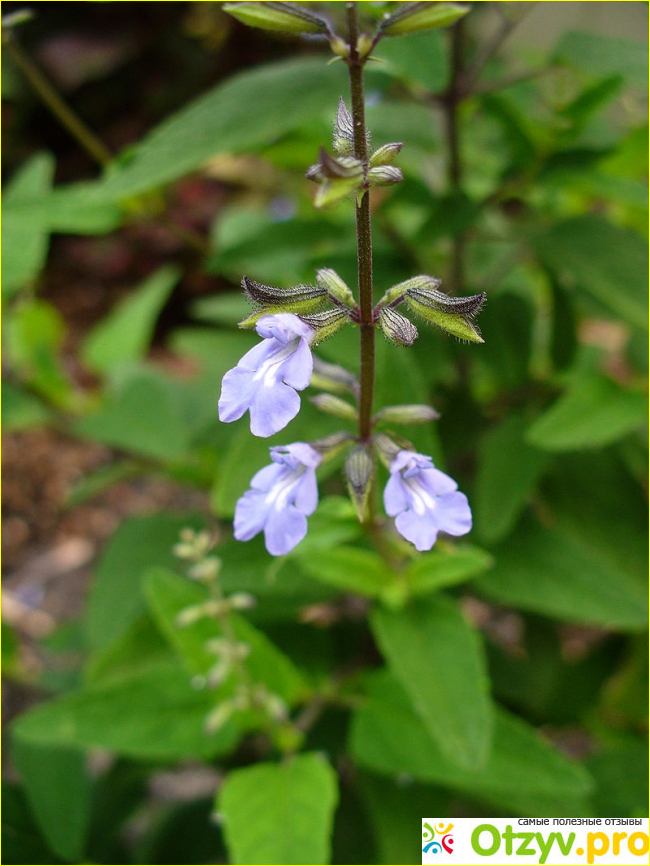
(266, 379)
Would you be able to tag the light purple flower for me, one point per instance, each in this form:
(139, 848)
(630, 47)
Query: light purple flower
(283, 495)
(266, 379)
(424, 501)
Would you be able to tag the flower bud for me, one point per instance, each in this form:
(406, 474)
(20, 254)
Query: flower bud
(339, 47)
(413, 17)
(396, 327)
(330, 446)
(332, 191)
(385, 175)
(365, 44)
(332, 405)
(326, 323)
(242, 601)
(385, 155)
(395, 295)
(330, 282)
(218, 674)
(415, 413)
(217, 718)
(190, 615)
(206, 570)
(451, 314)
(285, 17)
(388, 447)
(338, 177)
(343, 142)
(275, 707)
(359, 473)
(334, 168)
(297, 299)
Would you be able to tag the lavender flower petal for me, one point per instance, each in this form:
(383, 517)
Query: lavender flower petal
(424, 501)
(281, 498)
(266, 379)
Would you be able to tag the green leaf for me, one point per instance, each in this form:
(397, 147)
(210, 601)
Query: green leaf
(620, 769)
(420, 60)
(21, 410)
(138, 544)
(405, 122)
(126, 332)
(594, 411)
(508, 471)
(286, 95)
(35, 332)
(590, 101)
(184, 831)
(21, 840)
(143, 416)
(154, 714)
(605, 55)
(391, 805)
(25, 241)
(168, 594)
(602, 261)
(350, 569)
(438, 659)
(524, 775)
(59, 792)
(446, 567)
(280, 813)
(562, 573)
(280, 587)
(132, 651)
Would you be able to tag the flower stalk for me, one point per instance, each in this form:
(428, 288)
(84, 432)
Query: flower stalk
(355, 64)
(294, 320)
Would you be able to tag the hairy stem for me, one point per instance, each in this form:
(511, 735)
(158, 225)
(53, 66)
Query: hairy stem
(364, 234)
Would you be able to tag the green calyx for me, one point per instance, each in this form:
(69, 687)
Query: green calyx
(269, 300)
(326, 323)
(359, 474)
(453, 315)
(285, 17)
(414, 17)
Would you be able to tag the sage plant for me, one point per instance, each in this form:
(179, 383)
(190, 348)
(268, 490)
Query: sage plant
(292, 321)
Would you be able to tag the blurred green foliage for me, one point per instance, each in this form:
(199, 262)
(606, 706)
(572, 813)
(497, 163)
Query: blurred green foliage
(472, 649)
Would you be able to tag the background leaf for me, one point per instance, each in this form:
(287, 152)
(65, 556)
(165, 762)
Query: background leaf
(605, 263)
(168, 594)
(287, 95)
(508, 471)
(125, 334)
(25, 241)
(138, 544)
(594, 411)
(279, 813)
(562, 573)
(154, 714)
(524, 774)
(59, 792)
(142, 415)
(605, 55)
(438, 659)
